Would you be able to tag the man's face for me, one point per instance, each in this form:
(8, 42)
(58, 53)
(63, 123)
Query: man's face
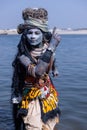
(34, 36)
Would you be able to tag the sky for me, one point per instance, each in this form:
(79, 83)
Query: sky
(61, 13)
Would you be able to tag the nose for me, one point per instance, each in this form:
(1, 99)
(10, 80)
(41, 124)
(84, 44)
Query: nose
(33, 36)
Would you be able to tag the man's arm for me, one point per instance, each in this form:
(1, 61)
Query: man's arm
(45, 59)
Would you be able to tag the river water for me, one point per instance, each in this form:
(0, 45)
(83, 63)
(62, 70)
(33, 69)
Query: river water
(71, 83)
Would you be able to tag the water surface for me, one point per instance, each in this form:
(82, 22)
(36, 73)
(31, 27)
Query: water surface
(71, 84)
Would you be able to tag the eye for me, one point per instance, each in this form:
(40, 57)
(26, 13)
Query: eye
(37, 32)
(30, 32)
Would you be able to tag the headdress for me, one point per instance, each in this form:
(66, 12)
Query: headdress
(36, 17)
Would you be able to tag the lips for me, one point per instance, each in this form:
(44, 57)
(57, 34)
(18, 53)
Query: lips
(33, 39)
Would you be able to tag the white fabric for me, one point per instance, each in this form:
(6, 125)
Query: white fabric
(33, 119)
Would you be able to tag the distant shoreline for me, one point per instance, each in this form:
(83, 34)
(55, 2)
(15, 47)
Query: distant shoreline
(82, 32)
(8, 32)
(60, 31)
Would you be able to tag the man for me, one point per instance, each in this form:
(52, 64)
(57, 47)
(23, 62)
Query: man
(32, 88)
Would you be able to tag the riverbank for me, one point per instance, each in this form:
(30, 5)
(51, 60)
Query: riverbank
(60, 31)
(73, 32)
(69, 31)
(8, 31)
